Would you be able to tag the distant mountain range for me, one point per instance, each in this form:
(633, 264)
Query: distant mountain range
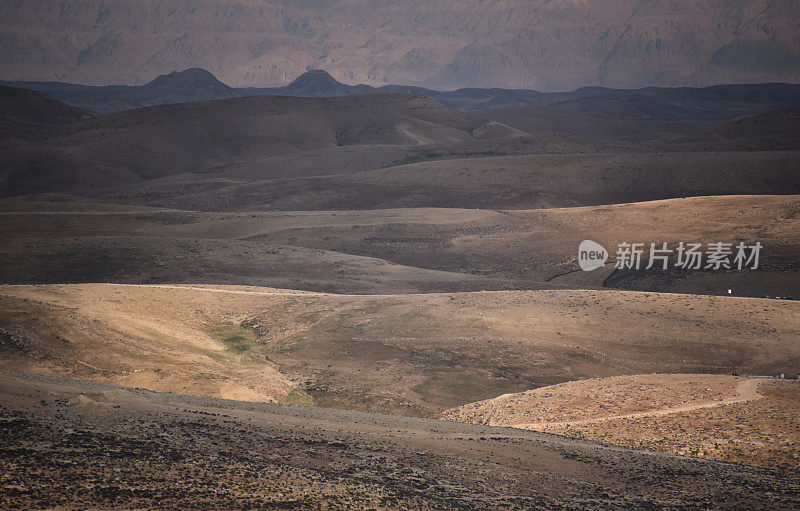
(549, 45)
(50, 147)
(720, 102)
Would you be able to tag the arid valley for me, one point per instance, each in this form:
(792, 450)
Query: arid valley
(332, 296)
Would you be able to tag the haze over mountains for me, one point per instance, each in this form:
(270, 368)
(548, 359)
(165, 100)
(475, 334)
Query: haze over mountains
(670, 104)
(544, 45)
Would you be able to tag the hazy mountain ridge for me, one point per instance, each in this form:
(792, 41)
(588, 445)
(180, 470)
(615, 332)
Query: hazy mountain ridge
(719, 102)
(537, 44)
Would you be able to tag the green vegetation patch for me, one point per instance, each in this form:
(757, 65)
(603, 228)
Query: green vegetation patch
(237, 338)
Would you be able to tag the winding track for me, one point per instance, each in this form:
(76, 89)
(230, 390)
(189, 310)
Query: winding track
(747, 390)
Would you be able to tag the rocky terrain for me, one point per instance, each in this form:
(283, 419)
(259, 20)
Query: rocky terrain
(75, 444)
(544, 45)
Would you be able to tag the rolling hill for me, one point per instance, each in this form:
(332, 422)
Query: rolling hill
(407, 250)
(24, 111)
(726, 418)
(136, 145)
(417, 354)
(215, 294)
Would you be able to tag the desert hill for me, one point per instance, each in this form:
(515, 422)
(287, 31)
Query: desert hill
(395, 250)
(545, 119)
(727, 418)
(187, 86)
(23, 110)
(635, 105)
(197, 137)
(407, 354)
(772, 130)
(190, 85)
(318, 83)
(206, 151)
(536, 181)
(775, 130)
